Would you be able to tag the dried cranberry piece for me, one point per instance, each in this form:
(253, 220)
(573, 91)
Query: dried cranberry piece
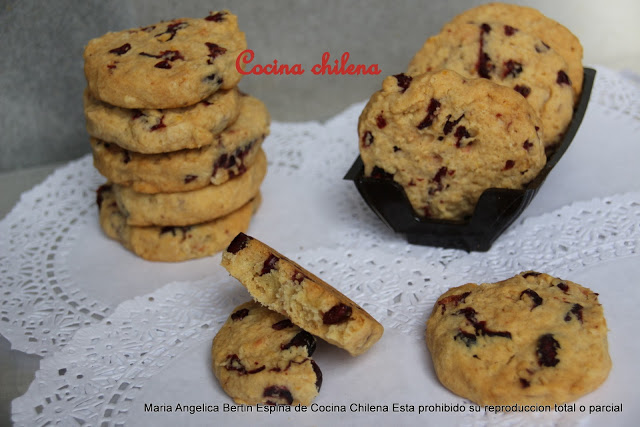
(100, 194)
(214, 51)
(297, 277)
(563, 78)
(318, 372)
(438, 180)
(547, 350)
(432, 113)
(563, 287)
(367, 139)
(121, 50)
(449, 125)
(404, 81)
(509, 30)
(172, 29)
(269, 264)
(339, 313)
(190, 178)
(467, 338)
(455, 299)
(216, 17)
(283, 324)
(508, 165)
(511, 68)
(485, 28)
(379, 173)
(537, 299)
(381, 122)
(576, 310)
(240, 314)
(542, 48)
(302, 339)
(461, 132)
(522, 90)
(136, 114)
(234, 364)
(531, 273)
(278, 391)
(484, 65)
(526, 145)
(158, 125)
(524, 383)
(214, 79)
(481, 327)
(238, 243)
(255, 371)
(126, 157)
(396, 149)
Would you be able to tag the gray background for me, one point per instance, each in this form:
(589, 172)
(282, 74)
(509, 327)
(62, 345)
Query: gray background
(41, 76)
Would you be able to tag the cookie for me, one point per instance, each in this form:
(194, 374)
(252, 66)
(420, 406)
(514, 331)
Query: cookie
(170, 64)
(172, 243)
(260, 357)
(509, 57)
(530, 339)
(191, 207)
(445, 139)
(287, 288)
(531, 21)
(161, 131)
(233, 152)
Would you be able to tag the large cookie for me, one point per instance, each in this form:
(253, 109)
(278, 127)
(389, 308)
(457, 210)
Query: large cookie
(509, 57)
(531, 21)
(531, 339)
(171, 244)
(284, 286)
(170, 64)
(191, 207)
(445, 139)
(232, 153)
(260, 357)
(161, 131)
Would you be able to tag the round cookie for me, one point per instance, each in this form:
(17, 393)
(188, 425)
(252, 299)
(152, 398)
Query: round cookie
(260, 357)
(161, 131)
(445, 139)
(167, 65)
(191, 207)
(531, 21)
(509, 57)
(172, 244)
(530, 339)
(233, 152)
(287, 288)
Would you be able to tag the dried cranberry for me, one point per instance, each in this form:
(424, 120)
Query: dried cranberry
(367, 139)
(542, 48)
(216, 17)
(158, 125)
(269, 264)
(280, 392)
(234, 364)
(531, 273)
(302, 339)
(214, 51)
(481, 326)
(511, 68)
(547, 350)
(165, 65)
(432, 113)
(214, 79)
(318, 372)
(379, 173)
(484, 65)
(438, 180)
(403, 81)
(524, 383)
(283, 324)
(238, 243)
(172, 29)
(381, 122)
(537, 299)
(509, 30)
(563, 78)
(339, 313)
(240, 314)
(396, 149)
(449, 125)
(461, 132)
(563, 287)
(126, 157)
(121, 50)
(576, 310)
(522, 90)
(100, 193)
(508, 165)
(467, 338)
(136, 114)
(526, 145)
(190, 178)
(455, 299)
(297, 277)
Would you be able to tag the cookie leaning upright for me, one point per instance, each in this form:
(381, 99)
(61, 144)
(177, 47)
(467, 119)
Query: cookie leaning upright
(530, 339)
(287, 288)
(445, 139)
(167, 65)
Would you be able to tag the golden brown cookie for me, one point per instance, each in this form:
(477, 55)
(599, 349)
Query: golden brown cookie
(260, 357)
(172, 243)
(287, 288)
(530, 339)
(170, 64)
(445, 139)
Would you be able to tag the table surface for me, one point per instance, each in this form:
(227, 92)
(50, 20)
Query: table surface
(17, 369)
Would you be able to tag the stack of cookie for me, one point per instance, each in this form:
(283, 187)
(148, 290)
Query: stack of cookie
(179, 144)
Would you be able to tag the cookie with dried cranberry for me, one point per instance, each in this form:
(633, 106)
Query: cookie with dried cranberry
(287, 288)
(170, 64)
(160, 131)
(510, 57)
(172, 243)
(445, 139)
(231, 154)
(261, 357)
(191, 207)
(530, 339)
(531, 21)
